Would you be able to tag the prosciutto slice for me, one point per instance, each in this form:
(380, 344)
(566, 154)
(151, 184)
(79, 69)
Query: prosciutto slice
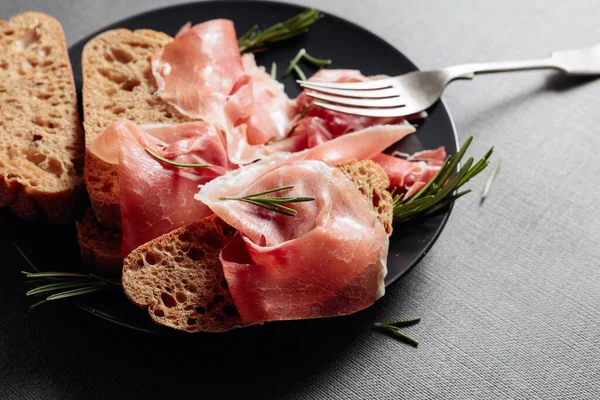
(272, 109)
(410, 175)
(199, 69)
(203, 75)
(360, 145)
(327, 261)
(320, 124)
(156, 198)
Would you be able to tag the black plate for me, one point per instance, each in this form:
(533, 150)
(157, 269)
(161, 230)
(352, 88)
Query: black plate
(350, 46)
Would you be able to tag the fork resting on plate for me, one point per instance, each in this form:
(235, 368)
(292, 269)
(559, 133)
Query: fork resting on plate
(416, 91)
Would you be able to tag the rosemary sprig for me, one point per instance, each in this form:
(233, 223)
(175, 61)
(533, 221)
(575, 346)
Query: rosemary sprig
(392, 328)
(293, 65)
(174, 163)
(256, 40)
(274, 204)
(61, 285)
(319, 62)
(490, 180)
(294, 62)
(442, 189)
(299, 72)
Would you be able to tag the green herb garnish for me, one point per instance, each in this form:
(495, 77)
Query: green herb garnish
(490, 180)
(256, 39)
(293, 65)
(299, 72)
(174, 163)
(320, 62)
(61, 285)
(273, 203)
(294, 62)
(441, 190)
(392, 328)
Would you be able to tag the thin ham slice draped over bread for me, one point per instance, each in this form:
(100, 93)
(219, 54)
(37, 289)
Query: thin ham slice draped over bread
(203, 75)
(198, 70)
(155, 197)
(329, 260)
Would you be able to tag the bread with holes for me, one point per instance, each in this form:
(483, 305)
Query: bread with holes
(41, 140)
(118, 83)
(178, 277)
(100, 247)
(372, 181)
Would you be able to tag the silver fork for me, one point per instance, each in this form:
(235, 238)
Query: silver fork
(416, 91)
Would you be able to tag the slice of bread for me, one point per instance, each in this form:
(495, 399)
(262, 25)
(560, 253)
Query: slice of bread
(118, 83)
(372, 181)
(41, 140)
(178, 277)
(100, 247)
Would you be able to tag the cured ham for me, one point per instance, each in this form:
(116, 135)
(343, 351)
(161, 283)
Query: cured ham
(155, 197)
(360, 145)
(329, 260)
(320, 124)
(272, 109)
(410, 175)
(198, 70)
(204, 76)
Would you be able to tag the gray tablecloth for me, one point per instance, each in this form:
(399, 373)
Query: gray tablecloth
(509, 295)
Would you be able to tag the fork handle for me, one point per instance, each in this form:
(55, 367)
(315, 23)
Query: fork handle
(468, 71)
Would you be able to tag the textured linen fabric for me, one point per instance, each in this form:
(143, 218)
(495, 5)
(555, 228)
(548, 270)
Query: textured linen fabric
(509, 295)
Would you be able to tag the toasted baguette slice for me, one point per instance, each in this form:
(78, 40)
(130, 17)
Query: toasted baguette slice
(41, 140)
(372, 181)
(178, 277)
(100, 247)
(118, 83)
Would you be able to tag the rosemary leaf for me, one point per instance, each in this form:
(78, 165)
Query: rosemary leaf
(278, 189)
(297, 25)
(400, 323)
(174, 163)
(294, 62)
(272, 207)
(274, 204)
(75, 292)
(393, 329)
(405, 338)
(441, 190)
(64, 275)
(317, 61)
(274, 70)
(60, 285)
(300, 73)
(56, 286)
(490, 180)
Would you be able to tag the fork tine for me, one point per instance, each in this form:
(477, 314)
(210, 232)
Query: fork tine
(389, 102)
(368, 85)
(367, 112)
(365, 94)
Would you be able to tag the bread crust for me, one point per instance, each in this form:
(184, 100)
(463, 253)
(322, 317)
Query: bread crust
(165, 262)
(179, 279)
(100, 248)
(118, 84)
(41, 139)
